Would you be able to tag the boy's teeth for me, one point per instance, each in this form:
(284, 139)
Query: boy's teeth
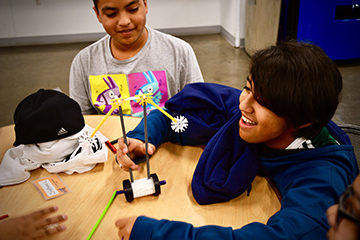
(247, 121)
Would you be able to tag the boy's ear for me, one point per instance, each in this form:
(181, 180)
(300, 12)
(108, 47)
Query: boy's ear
(97, 14)
(146, 6)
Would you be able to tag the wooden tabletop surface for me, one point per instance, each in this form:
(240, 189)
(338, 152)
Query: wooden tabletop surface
(92, 190)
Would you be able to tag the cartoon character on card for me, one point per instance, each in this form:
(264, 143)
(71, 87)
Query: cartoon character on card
(152, 86)
(104, 98)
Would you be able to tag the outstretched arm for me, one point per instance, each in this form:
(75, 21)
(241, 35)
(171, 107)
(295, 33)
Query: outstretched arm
(207, 107)
(34, 225)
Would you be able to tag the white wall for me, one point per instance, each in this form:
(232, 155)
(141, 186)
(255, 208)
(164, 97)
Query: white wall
(6, 19)
(31, 21)
(51, 17)
(232, 20)
(183, 13)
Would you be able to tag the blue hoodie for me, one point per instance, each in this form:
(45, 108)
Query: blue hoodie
(309, 181)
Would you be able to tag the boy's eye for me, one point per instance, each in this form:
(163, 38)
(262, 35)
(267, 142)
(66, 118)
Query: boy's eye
(134, 9)
(110, 14)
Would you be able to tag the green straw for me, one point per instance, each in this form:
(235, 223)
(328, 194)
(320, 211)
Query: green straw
(102, 215)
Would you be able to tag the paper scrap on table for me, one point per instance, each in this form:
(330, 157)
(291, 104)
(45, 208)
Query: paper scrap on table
(51, 187)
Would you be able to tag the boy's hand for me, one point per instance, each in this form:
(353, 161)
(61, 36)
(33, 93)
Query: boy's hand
(136, 150)
(125, 226)
(331, 213)
(35, 225)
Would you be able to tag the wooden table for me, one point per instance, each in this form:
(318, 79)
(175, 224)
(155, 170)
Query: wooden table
(92, 190)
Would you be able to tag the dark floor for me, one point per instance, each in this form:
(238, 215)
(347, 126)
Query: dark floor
(26, 69)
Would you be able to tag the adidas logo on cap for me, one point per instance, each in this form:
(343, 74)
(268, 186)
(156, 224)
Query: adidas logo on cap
(62, 131)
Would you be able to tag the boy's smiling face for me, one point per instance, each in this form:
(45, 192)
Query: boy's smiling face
(124, 21)
(260, 125)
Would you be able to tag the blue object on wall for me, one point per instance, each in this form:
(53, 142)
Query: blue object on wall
(333, 25)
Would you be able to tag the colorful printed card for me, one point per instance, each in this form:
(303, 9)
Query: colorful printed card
(51, 187)
(104, 88)
(148, 82)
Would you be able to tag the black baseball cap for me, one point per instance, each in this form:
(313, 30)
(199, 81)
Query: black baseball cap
(46, 115)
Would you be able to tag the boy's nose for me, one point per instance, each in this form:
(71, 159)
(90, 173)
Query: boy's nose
(246, 104)
(124, 19)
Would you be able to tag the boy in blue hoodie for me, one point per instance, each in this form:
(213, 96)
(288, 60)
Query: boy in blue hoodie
(283, 117)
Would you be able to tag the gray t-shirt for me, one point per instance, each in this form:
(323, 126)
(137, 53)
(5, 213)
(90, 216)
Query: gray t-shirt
(163, 66)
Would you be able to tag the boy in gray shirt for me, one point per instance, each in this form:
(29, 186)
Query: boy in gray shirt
(131, 59)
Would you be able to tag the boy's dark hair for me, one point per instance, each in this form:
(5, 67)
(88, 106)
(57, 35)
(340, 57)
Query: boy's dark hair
(297, 81)
(96, 4)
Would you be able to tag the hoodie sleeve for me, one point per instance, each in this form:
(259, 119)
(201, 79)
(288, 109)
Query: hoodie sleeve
(291, 222)
(206, 106)
(151, 229)
(280, 229)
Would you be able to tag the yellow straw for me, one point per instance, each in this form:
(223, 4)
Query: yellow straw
(162, 110)
(104, 119)
(115, 104)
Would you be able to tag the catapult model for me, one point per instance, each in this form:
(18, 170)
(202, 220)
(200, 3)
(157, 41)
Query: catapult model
(151, 184)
